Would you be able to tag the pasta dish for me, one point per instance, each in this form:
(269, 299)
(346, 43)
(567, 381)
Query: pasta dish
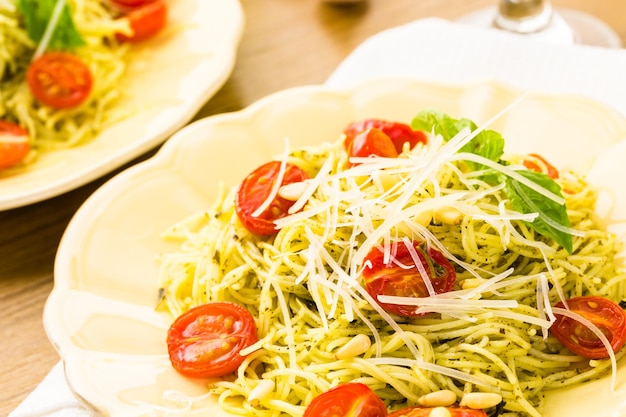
(499, 244)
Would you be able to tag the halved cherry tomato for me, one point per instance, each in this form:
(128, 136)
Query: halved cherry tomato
(370, 142)
(206, 340)
(401, 277)
(399, 133)
(455, 411)
(14, 144)
(59, 80)
(256, 188)
(348, 400)
(607, 315)
(545, 166)
(145, 21)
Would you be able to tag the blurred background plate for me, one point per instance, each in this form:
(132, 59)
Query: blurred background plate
(169, 78)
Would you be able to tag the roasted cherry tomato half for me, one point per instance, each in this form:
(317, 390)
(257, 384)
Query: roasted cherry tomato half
(607, 315)
(206, 341)
(145, 21)
(538, 163)
(399, 133)
(14, 144)
(348, 400)
(455, 411)
(59, 80)
(256, 188)
(401, 277)
(371, 142)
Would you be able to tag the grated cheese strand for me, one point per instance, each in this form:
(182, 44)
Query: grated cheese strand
(588, 324)
(50, 28)
(418, 264)
(487, 285)
(445, 302)
(277, 183)
(510, 173)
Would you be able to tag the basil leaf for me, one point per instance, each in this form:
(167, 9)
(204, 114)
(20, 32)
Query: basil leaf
(488, 143)
(440, 124)
(552, 220)
(37, 13)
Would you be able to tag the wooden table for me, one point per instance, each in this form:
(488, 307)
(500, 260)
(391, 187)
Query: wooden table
(272, 56)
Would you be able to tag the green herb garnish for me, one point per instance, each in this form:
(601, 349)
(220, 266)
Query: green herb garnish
(37, 14)
(552, 220)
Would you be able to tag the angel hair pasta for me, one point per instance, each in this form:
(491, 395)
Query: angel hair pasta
(514, 258)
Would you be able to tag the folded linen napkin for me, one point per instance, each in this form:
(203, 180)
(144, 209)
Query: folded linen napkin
(52, 398)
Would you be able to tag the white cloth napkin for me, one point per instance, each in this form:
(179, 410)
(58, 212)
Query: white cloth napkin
(447, 52)
(51, 398)
(441, 51)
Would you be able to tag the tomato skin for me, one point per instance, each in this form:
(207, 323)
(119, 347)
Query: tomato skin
(549, 170)
(59, 80)
(399, 133)
(393, 279)
(14, 144)
(607, 315)
(145, 21)
(455, 411)
(255, 189)
(370, 142)
(205, 341)
(352, 399)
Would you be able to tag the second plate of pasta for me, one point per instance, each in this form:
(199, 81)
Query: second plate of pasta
(149, 90)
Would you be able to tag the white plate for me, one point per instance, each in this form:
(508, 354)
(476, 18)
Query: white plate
(169, 78)
(446, 52)
(101, 316)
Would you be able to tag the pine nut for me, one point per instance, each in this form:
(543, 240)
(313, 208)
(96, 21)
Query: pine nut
(424, 217)
(385, 180)
(481, 400)
(448, 215)
(262, 389)
(293, 191)
(470, 283)
(441, 398)
(356, 346)
(440, 412)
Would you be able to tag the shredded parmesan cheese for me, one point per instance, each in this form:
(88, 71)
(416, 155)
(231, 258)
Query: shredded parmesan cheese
(276, 185)
(50, 28)
(599, 334)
